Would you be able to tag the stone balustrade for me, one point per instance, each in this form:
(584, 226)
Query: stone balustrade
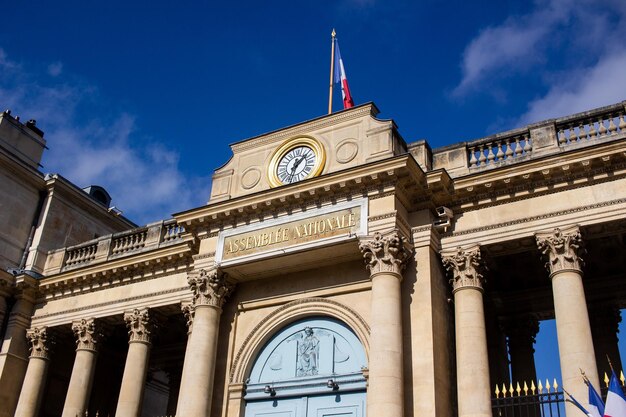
(537, 140)
(602, 123)
(118, 245)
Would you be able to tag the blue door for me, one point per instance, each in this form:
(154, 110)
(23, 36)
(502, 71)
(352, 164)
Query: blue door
(311, 368)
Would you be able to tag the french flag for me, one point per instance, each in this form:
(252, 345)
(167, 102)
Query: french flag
(340, 77)
(615, 401)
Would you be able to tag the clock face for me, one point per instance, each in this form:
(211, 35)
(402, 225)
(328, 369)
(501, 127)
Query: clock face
(297, 159)
(296, 165)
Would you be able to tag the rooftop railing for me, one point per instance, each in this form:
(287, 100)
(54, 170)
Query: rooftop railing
(118, 245)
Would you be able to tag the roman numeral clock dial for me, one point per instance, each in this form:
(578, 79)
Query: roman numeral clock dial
(296, 160)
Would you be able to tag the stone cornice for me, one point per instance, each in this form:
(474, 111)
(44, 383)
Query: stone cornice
(465, 265)
(365, 179)
(144, 265)
(385, 252)
(562, 249)
(531, 177)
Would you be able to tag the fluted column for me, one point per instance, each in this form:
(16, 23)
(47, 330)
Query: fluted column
(140, 328)
(88, 335)
(472, 363)
(561, 248)
(36, 373)
(385, 256)
(604, 320)
(521, 333)
(210, 290)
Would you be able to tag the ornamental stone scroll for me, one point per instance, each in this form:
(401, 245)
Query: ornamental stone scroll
(140, 325)
(40, 342)
(466, 267)
(210, 288)
(88, 334)
(385, 252)
(562, 249)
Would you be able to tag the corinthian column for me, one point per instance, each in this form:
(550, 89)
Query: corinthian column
(36, 373)
(210, 290)
(88, 336)
(472, 363)
(131, 392)
(385, 256)
(562, 248)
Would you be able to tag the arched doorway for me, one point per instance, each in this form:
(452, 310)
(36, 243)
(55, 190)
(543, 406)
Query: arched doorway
(310, 368)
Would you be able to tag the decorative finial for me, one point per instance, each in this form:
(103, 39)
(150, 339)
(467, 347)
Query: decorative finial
(333, 34)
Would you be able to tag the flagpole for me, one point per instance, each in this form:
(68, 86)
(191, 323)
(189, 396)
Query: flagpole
(332, 71)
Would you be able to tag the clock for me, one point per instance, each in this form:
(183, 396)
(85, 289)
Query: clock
(295, 160)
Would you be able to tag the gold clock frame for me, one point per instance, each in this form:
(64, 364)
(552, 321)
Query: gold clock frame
(311, 142)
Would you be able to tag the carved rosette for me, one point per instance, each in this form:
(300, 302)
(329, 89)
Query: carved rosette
(39, 342)
(209, 287)
(465, 266)
(139, 324)
(385, 253)
(561, 248)
(87, 333)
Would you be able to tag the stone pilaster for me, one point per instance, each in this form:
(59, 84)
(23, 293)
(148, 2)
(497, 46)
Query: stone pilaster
(140, 327)
(385, 256)
(472, 363)
(36, 373)
(210, 290)
(562, 249)
(88, 334)
(15, 350)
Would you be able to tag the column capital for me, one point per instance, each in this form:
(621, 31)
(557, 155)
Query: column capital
(210, 288)
(88, 334)
(385, 252)
(561, 248)
(521, 329)
(40, 342)
(140, 325)
(466, 267)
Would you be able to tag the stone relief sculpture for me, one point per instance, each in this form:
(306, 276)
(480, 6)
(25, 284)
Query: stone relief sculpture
(308, 354)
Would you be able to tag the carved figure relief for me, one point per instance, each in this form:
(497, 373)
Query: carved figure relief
(308, 354)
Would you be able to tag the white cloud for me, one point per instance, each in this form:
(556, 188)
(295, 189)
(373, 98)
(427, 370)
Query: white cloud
(55, 69)
(596, 86)
(578, 32)
(144, 180)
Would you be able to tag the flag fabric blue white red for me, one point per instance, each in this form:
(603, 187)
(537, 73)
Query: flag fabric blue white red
(596, 406)
(615, 401)
(577, 404)
(340, 77)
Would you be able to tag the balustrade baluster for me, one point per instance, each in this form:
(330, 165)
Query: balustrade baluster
(473, 159)
(612, 127)
(572, 134)
(582, 133)
(490, 155)
(622, 123)
(482, 158)
(602, 129)
(518, 147)
(562, 138)
(500, 153)
(509, 151)
(527, 146)
(593, 133)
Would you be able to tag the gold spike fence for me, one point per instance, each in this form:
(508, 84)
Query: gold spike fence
(528, 398)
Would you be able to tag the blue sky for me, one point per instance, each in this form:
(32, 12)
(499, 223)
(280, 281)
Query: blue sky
(144, 98)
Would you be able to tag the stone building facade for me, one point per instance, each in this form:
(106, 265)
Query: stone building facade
(339, 270)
